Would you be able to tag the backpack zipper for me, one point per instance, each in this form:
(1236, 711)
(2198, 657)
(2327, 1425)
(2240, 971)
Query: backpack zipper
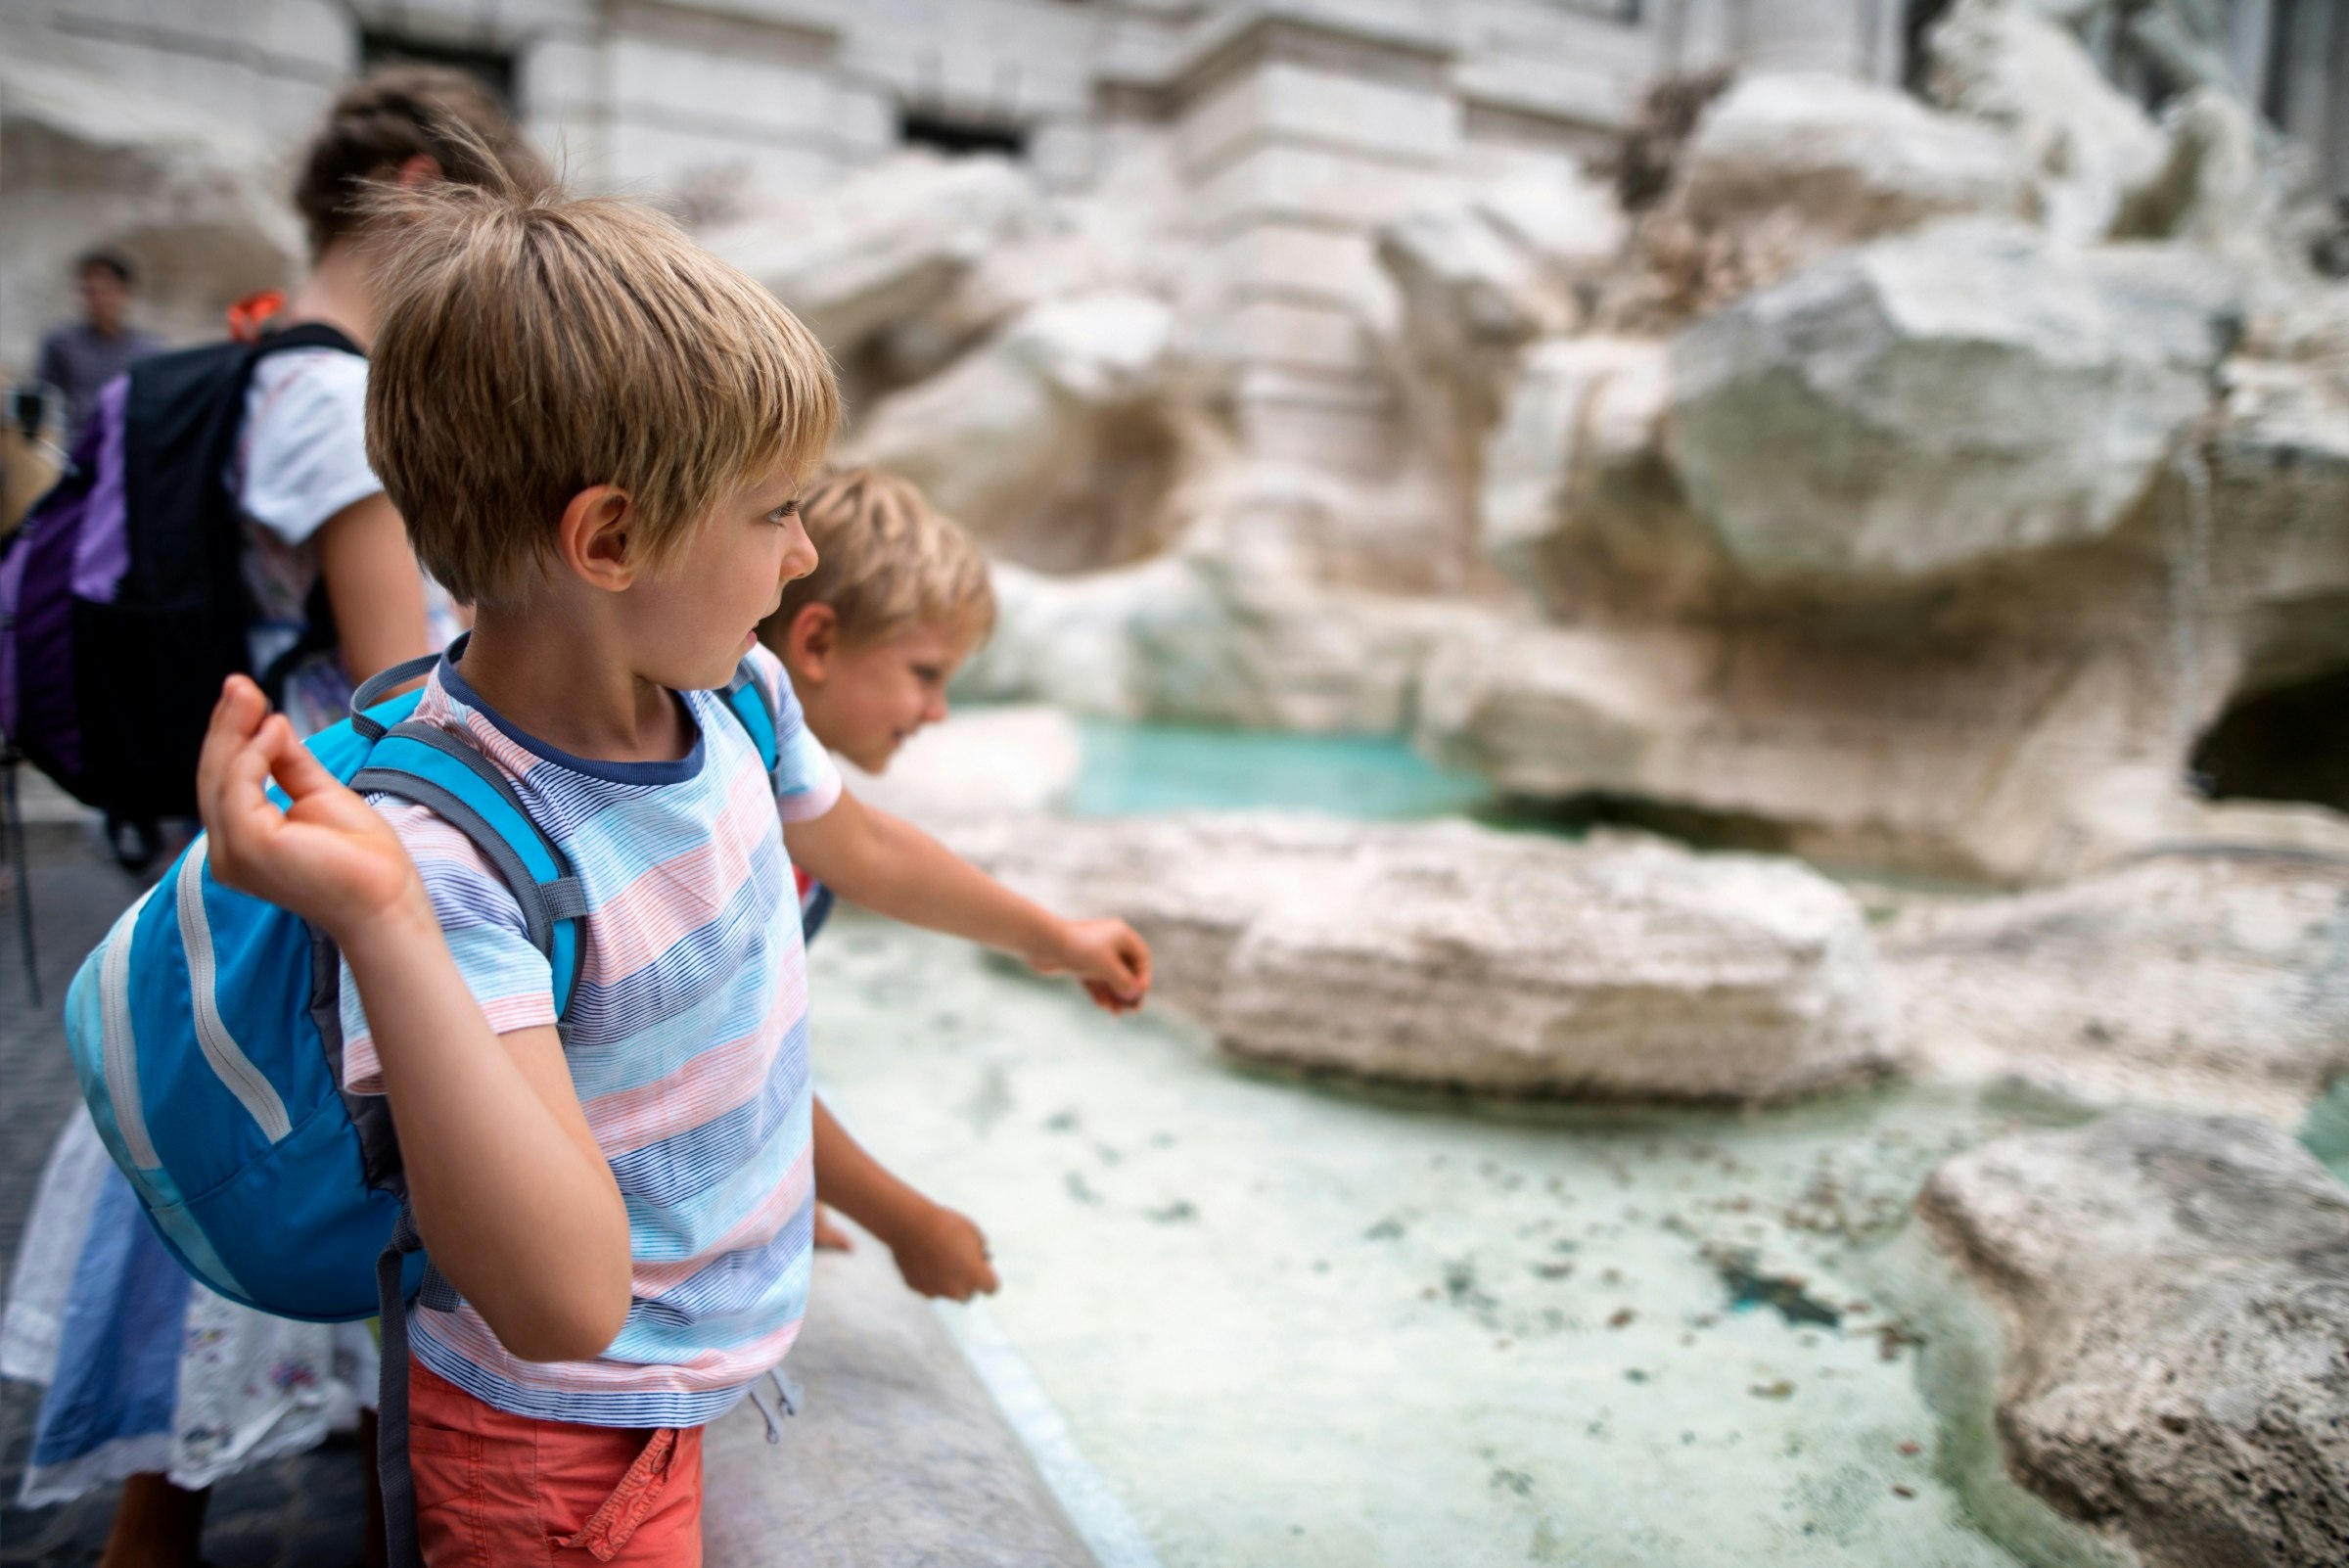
(229, 1063)
(121, 1042)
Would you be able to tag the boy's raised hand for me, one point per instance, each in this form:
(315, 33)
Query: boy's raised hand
(327, 856)
(1109, 956)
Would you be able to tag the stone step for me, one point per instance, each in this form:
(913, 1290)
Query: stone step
(898, 1455)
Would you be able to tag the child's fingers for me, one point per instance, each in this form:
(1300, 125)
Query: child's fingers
(1136, 954)
(295, 767)
(240, 702)
(235, 717)
(1110, 999)
(239, 816)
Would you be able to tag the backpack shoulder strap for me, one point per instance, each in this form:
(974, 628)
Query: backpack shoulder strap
(757, 710)
(308, 335)
(429, 767)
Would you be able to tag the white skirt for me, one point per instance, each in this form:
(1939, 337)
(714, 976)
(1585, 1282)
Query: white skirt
(245, 1388)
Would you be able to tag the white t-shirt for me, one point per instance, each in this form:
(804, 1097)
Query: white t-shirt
(301, 458)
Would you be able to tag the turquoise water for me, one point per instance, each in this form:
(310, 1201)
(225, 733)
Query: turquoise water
(1136, 769)
(1302, 1327)
(2326, 1131)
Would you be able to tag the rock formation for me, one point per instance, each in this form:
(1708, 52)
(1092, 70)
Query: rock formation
(1941, 400)
(1448, 954)
(1053, 442)
(1838, 161)
(2215, 981)
(887, 246)
(1943, 548)
(2175, 1291)
(1938, 481)
(1982, 464)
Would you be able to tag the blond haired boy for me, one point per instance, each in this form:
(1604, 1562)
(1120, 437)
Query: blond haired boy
(898, 599)
(595, 433)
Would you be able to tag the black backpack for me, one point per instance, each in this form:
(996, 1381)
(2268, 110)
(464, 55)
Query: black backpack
(123, 597)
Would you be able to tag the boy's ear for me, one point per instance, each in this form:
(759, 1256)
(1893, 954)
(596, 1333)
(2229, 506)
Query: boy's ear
(810, 641)
(593, 538)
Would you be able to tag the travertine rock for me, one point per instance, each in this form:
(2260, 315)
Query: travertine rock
(1574, 474)
(1191, 637)
(1500, 264)
(1936, 401)
(885, 243)
(1056, 442)
(1449, 953)
(899, 1457)
(2088, 147)
(2175, 1291)
(2212, 981)
(2279, 492)
(1124, 233)
(1841, 162)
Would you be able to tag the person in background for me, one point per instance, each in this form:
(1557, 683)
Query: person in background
(151, 1380)
(82, 356)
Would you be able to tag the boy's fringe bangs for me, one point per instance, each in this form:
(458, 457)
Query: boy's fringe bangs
(534, 344)
(887, 561)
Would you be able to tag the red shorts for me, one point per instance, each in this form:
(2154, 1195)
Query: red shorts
(494, 1490)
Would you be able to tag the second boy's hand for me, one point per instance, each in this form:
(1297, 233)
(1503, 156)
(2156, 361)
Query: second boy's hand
(1108, 955)
(894, 869)
(939, 1252)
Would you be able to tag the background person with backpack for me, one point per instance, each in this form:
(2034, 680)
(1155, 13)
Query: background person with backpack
(151, 1379)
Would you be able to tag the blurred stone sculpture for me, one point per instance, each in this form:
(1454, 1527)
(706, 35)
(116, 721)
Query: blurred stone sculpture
(2174, 1292)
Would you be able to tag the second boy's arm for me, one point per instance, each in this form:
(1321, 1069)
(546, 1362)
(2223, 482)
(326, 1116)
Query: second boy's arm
(940, 1252)
(893, 868)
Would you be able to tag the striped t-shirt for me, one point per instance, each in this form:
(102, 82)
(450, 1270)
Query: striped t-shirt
(686, 1035)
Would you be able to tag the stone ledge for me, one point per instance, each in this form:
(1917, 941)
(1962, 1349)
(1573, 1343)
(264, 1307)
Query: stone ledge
(899, 1457)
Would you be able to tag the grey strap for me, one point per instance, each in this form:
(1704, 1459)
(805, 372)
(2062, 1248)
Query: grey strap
(437, 1293)
(376, 687)
(565, 898)
(401, 1548)
(536, 918)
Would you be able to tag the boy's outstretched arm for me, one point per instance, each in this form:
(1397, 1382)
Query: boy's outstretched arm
(940, 1252)
(513, 1198)
(893, 868)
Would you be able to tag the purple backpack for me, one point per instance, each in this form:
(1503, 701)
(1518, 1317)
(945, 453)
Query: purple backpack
(122, 599)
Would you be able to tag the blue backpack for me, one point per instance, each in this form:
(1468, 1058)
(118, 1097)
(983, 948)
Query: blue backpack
(206, 1032)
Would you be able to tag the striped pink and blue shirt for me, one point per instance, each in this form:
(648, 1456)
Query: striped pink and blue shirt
(686, 1036)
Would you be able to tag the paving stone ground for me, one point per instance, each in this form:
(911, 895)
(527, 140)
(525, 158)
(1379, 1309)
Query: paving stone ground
(301, 1512)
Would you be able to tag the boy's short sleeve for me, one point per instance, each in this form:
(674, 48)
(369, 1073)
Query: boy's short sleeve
(477, 914)
(306, 441)
(806, 780)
